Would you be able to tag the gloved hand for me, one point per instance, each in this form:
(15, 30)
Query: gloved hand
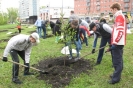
(108, 50)
(27, 64)
(93, 51)
(111, 48)
(5, 59)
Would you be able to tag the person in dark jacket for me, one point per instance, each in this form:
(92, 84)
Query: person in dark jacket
(57, 27)
(105, 31)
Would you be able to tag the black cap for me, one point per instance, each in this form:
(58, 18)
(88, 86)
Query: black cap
(92, 25)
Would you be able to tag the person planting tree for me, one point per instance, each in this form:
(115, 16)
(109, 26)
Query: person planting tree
(72, 31)
(20, 45)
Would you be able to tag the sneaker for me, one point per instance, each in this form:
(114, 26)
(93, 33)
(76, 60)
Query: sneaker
(97, 63)
(29, 73)
(112, 82)
(70, 58)
(76, 59)
(16, 81)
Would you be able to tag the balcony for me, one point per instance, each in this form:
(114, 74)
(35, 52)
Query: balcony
(98, 4)
(98, 8)
(88, 4)
(126, 6)
(88, 0)
(126, 0)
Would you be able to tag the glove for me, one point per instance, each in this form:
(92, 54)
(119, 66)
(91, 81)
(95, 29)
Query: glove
(5, 59)
(27, 64)
(111, 48)
(108, 50)
(93, 51)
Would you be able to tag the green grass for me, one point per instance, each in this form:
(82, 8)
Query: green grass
(98, 76)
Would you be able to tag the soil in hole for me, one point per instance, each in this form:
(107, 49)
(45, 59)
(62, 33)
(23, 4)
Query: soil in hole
(4, 40)
(3, 30)
(60, 75)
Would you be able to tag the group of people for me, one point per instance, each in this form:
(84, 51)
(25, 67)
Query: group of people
(43, 25)
(116, 38)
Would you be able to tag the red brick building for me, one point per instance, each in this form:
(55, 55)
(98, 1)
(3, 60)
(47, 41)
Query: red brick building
(80, 7)
(98, 7)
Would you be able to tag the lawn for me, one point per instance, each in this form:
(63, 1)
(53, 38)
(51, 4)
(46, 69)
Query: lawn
(97, 78)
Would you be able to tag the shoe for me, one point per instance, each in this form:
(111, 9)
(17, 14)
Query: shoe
(29, 73)
(70, 58)
(112, 82)
(16, 81)
(97, 63)
(76, 59)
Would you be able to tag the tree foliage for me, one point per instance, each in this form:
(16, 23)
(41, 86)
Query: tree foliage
(12, 13)
(3, 18)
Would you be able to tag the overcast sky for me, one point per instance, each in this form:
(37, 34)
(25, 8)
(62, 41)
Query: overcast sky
(53, 3)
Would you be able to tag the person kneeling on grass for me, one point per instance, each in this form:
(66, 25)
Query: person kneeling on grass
(20, 45)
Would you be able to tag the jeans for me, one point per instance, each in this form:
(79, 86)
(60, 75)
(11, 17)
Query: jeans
(95, 42)
(85, 37)
(39, 30)
(44, 31)
(101, 51)
(78, 47)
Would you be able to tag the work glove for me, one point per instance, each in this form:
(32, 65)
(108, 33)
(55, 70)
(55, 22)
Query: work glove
(5, 59)
(27, 64)
(111, 48)
(93, 51)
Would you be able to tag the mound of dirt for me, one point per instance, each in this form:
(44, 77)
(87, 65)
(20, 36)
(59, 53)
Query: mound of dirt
(62, 70)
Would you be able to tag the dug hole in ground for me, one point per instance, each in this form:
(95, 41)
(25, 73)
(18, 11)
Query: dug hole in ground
(61, 70)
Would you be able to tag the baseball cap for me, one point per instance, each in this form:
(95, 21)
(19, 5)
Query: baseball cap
(36, 37)
(92, 25)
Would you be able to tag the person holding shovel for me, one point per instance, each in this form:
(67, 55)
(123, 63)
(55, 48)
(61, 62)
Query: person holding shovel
(105, 31)
(118, 42)
(20, 45)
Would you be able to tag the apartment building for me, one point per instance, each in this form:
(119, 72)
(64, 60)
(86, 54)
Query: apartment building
(28, 10)
(101, 7)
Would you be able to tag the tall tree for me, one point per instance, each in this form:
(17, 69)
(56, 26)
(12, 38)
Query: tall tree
(12, 13)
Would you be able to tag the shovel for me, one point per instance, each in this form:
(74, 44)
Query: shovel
(42, 72)
(95, 51)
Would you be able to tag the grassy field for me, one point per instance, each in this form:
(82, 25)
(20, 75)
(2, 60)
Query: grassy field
(97, 79)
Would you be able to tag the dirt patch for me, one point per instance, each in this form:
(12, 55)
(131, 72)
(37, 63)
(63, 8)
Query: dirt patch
(60, 75)
(4, 40)
(3, 30)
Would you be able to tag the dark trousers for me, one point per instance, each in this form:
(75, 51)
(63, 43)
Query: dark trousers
(101, 51)
(117, 62)
(15, 69)
(19, 30)
(44, 31)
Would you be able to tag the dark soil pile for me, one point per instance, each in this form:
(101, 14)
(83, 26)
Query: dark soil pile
(60, 75)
